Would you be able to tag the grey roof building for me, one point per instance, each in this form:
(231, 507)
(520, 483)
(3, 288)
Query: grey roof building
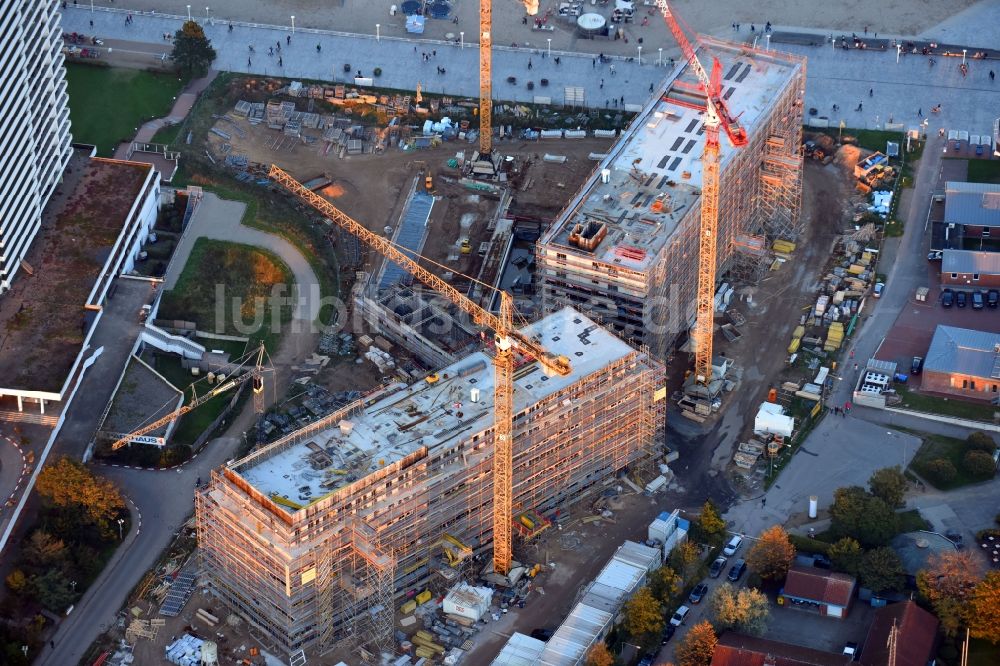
(970, 261)
(974, 204)
(964, 351)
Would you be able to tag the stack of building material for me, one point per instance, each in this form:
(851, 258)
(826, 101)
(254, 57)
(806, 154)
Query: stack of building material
(796, 339)
(744, 460)
(466, 601)
(185, 651)
(243, 108)
(783, 248)
(834, 337)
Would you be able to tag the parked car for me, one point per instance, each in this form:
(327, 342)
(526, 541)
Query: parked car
(717, 566)
(947, 298)
(732, 546)
(961, 299)
(679, 617)
(668, 633)
(977, 300)
(851, 650)
(698, 593)
(992, 298)
(916, 365)
(647, 660)
(736, 571)
(879, 289)
(935, 255)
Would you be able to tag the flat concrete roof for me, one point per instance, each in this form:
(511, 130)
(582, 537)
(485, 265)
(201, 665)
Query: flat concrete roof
(43, 316)
(427, 415)
(660, 158)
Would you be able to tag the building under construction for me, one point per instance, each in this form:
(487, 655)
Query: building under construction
(627, 244)
(312, 537)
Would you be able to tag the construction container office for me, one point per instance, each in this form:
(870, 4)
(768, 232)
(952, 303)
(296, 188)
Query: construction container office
(626, 245)
(311, 537)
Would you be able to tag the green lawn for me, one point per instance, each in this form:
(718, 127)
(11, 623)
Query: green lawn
(984, 171)
(197, 421)
(108, 104)
(975, 411)
(244, 276)
(948, 448)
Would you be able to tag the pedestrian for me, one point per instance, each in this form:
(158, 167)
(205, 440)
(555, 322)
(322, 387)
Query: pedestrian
(248, 63)
(752, 28)
(230, 27)
(623, 100)
(612, 67)
(52, 644)
(920, 113)
(763, 502)
(855, 367)
(852, 353)
(270, 50)
(434, 53)
(318, 48)
(280, 62)
(866, 30)
(860, 107)
(871, 92)
(733, 25)
(650, 87)
(602, 84)
(593, 64)
(767, 28)
(557, 59)
(529, 63)
(992, 75)
(91, 24)
(737, 27)
(288, 40)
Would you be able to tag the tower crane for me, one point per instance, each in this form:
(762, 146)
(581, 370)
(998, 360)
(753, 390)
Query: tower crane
(716, 114)
(256, 375)
(507, 340)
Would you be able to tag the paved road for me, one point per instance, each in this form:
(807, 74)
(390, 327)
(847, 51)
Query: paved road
(219, 219)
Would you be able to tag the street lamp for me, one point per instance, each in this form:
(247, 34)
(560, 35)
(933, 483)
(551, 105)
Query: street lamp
(640, 56)
(91, 6)
(833, 43)
(293, 25)
(963, 56)
(659, 58)
(206, 13)
(549, 40)
(378, 33)
(461, 37)
(121, 536)
(189, 12)
(767, 47)
(899, 49)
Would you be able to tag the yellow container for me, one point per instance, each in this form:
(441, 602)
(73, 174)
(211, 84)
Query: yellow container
(408, 607)
(794, 347)
(424, 597)
(799, 332)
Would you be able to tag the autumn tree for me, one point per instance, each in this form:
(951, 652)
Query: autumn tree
(665, 584)
(889, 485)
(948, 583)
(772, 554)
(711, 526)
(745, 609)
(67, 484)
(193, 53)
(643, 617)
(983, 609)
(980, 441)
(45, 550)
(599, 655)
(685, 560)
(697, 647)
(881, 570)
(17, 581)
(845, 556)
(859, 514)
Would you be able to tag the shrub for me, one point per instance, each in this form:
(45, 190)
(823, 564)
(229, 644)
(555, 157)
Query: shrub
(940, 470)
(980, 441)
(377, 71)
(979, 464)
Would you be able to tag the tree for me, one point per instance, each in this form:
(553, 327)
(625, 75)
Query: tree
(53, 590)
(772, 555)
(665, 585)
(697, 647)
(979, 464)
(193, 53)
(845, 555)
(643, 617)
(66, 483)
(940, 471)
(859, 514)
(710, 523)
(980, 441)
(983, 609)
(685, 560)
(744, 609)
(889, 485)
(882, 570)
(17, 581)
(45, 550)
(599, 655)
(948, 583)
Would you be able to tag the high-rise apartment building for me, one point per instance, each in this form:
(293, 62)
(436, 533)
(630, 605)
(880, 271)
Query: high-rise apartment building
(34, 123)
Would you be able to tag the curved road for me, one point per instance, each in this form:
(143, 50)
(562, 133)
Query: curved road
(219, 219)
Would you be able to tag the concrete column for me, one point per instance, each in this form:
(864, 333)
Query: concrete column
(20, 404)
(41, 405)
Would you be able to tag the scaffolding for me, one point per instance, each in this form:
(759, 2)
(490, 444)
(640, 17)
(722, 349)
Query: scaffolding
(324, 575)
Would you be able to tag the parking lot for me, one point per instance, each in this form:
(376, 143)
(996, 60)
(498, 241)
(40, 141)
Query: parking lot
(791, 624)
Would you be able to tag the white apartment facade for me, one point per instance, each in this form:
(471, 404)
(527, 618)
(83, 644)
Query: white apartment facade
(34, 123)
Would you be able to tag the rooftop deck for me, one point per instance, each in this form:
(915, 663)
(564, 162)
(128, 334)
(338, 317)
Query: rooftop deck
(425, 415)
(43, 318)
(654, 171)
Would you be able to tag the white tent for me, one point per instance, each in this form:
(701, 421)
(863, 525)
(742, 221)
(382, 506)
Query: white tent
(771, 419)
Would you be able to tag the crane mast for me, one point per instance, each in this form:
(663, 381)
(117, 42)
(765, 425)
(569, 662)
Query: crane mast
(507, 340)
(485, 77)
(716, 114)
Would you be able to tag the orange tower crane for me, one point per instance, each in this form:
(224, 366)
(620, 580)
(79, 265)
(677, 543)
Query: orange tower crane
(507, 339)
(716, 114)
(486, 71)
(256, 374)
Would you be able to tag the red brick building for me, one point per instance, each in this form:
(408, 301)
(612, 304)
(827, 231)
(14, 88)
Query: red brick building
(819, 590)
(963, 363)
(969, 271)
(916, 636)
(739, 650)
